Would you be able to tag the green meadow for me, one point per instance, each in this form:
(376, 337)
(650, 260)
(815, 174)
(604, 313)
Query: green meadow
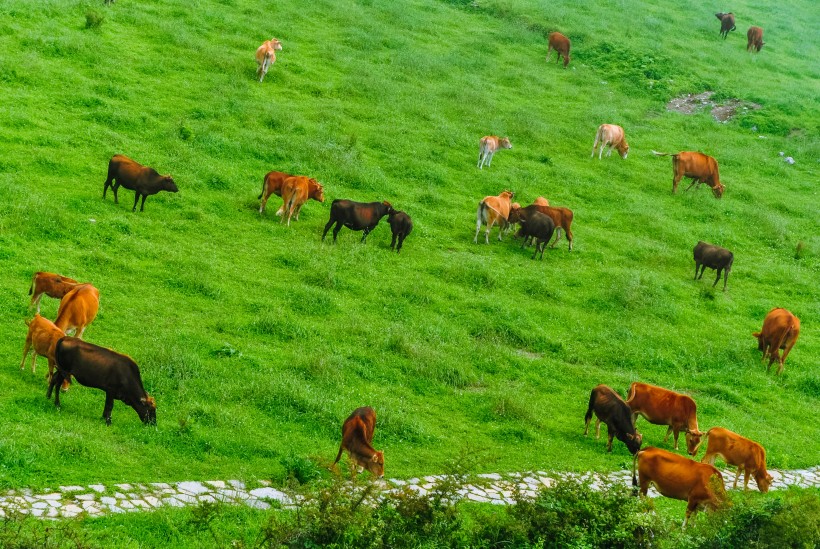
(258, 339)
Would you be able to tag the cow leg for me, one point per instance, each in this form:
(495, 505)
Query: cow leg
(26, 348)
(115, 188)
(393, 241)
(569, 237)
(597, 429)
(697, 266)
(717, 278)
(365, 232)
(136, 199)
(263, 204)
(336, 230)
(109, 405)
(106, 185)
(327, 228)
(557, 237)
(142, 206)
(477, 227)
(79, 332)
(609, 442)
(401, 241)
(675, 181)
(737, 476)
(490, 159)
(694, 182)
(691, 509)
(480, 158)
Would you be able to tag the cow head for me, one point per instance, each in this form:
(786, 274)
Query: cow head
(693, 440)
(316, 191)
(389, 207)
(275, 44)
(504, 143)
(761, 341)
(515, 214)
(718, 190)
(633, 442)
(623, 149)
(375, 464)
(764, 480)
(147, 410)
(168, 184)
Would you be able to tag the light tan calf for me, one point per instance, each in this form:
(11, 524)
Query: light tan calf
(487, 147)
(266, 56)
(612, 135)
(42, 338)
(492, 210)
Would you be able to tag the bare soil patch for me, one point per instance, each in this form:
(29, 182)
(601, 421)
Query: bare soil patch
(722, 112)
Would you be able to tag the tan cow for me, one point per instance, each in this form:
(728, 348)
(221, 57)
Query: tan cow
(78, 309)
(747, 455)
(42, 338)
(357, 436)
(51, 284)
(296, 191)
(700, 167)
(541, 201)
(612, 135)
(678, 477)
(266, 56)
(272, 184)
(487, 147)
(780, 331)
(560, 44)
(664, 407)
(492, 210)
(754, 37)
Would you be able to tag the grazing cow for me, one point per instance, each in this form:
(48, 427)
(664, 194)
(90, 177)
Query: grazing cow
(754, 37)
(538, 226)
(492, 210)
(487, 147)
(560, 44)
(748, 455)
(780, 331)
(272, 185)
(612, 135)
(561, 218)
(400, 225)
(357, 436)
(116, 374)
(358, 216)
(42, 336)
(266, 56)
(714, 257)
(700, 167)
(53, 285)
(727, 23)
(78, 309)
(143, 180)
(611, 409)
(664, 407)
(678, 477)
(295, 192)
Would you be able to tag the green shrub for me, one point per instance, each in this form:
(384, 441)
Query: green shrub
(93, 20)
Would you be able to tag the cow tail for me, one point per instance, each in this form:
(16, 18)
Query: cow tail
(635, 478)
(656, 153)
(588, 416)
(339, 455)
(264, 187)
(479, 215)
(784, 337)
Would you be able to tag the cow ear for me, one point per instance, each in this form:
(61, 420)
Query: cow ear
(375, 457)
(630, 436)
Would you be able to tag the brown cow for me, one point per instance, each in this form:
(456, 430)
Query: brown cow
(272, 185)
(700, 167)
(144, 181)
(561, 218)
(492, 210)
(357, 216)
(560, 44)
(78, 309)
(748, 455)
(610, 408)
(664, 407)
(754, 37)
(266, 56)
(727, 23)
(612, 135)
(51, 284)
(487, 147)
(42, 336)
(296, 191)
(678, 477)
(780, 331)
(357, 436)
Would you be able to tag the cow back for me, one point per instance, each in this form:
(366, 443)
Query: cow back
(44, 334)
(78, 307)
(678, 477)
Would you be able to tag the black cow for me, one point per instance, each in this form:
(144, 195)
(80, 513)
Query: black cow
(714, 257)
(611, 409)
(358, 216)
(536, 225)
(94, 366)
(143, 180)
(727, 23)
(401, 225)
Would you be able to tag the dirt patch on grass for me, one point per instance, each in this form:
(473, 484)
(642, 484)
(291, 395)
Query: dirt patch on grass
(722, 112)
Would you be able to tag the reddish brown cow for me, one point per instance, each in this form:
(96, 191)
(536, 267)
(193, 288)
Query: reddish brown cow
(78, 309)
(272, 185)
(357, 436)
(612, 135)
(51, 284)
(560, 44)
(561, 218)
(677, 477)
(492, 210)
(727, 23)
(296, 191)
(144, 181)
(754, 37)
(487, 147)
(780, 331)
(700, 167)
(266, 56)
(748, 455)
(664, 407)
(42, 336)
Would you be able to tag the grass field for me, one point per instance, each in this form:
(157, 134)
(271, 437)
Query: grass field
(257, 340)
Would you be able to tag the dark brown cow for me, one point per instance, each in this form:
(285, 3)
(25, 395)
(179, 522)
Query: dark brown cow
(700, 167)
(143, 180)
(664, 407)
(400, 225)
(747, 455)
(272, 184)
(754, 38)
(538, 226)
(678, 477)
(116, 374)
(357, 216)
(51, 284)
(714, 257)
(611, 409)
(780, 331)
(357, 436)
(727, 23)
(560, 44)
(78, 309)
(561, 218)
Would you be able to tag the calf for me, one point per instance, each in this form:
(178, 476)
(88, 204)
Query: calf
(714, 257)
(358, 216)
(560, 44)
(400, 225)
(612, 135)
(272, 184)
(357, 436)
(144, 181)
(700, 167)
(116, 374)
(266, 56)
(42, 336)
(538, 226)
(780, 331)
(727, 23)
(754, 37)
(78, 309)
(664, 407)
(492, 210)
(296, 191)
(748, 455)
(487, 147)
(611, 409)
(53, 285)
(561, 218)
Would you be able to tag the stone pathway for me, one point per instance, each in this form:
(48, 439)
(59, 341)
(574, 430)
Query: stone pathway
(98, 500)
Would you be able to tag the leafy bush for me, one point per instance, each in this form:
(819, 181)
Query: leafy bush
(93, 20)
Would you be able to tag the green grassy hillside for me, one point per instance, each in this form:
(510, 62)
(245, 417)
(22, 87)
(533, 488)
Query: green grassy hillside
(257, 340)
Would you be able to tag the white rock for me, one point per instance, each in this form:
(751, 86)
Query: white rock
(85, 497)
(216, 483)
(97, 487)
(192, 487)
(71, 488)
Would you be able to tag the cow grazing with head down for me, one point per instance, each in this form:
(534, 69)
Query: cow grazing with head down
(780, 331)
(400, 225)
(612, 135)
(714, 257)
(144, 181)
(487, 147)
(42, 336)
(561, 218)
(727, 23)
(754, 39)
(272, 184)
(611, 409)
(537, 226)
(560, 44)
(747, 455)
(78, 309)
(266, 56)
(357, 437)
(296, 191)
(116, 374)
(664, 407)
(700, 167)
(492, 210)
(678, 477)
(53, 285)
(357, 216)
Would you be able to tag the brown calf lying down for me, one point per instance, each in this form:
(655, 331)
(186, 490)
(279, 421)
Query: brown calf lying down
(357, 436)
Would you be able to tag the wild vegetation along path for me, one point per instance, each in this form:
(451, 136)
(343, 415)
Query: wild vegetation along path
(98, 499)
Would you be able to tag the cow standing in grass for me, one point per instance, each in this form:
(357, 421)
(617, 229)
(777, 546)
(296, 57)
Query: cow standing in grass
(727, 23)
(144, 181)
(754, 37)
(700, 167)
(266, 56)
(611, 409)
(492, 210)
(487, 147)
(357, 216)
(561, 45)
(714, 257)
(357, 439)
(51, 284)
(780, 331)
(614, 137)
